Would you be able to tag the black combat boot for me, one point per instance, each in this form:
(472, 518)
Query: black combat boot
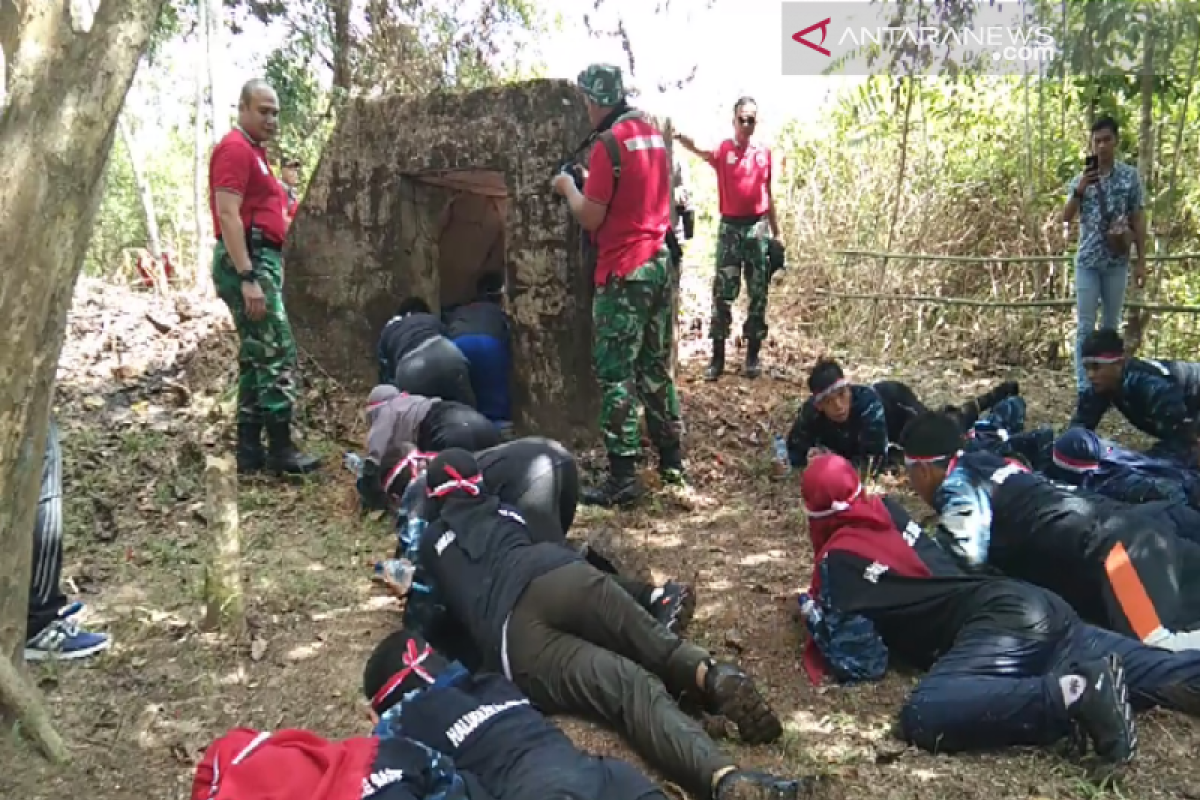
(250, 454)
(717, 366)
(670, 466)
(283, 457)
(752, 369)
(622, 486)
(731, 693)
(972, 409)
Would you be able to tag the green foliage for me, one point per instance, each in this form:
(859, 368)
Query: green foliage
(305, 115)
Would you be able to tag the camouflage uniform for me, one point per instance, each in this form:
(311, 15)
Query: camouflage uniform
(632, 355)
(267, 352)
(741, 249)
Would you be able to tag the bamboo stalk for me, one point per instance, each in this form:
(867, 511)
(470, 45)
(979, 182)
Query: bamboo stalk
(1065, 259)
(968, 302)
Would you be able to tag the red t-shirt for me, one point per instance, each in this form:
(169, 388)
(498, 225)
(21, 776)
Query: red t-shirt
(639, 217)
(743, 176)
(240, 166)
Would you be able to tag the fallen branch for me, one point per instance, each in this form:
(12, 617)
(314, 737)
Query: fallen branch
(964, 301)
(223, 600)
(22, 699)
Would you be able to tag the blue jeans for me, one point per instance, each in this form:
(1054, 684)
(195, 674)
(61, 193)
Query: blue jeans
(1093, 288)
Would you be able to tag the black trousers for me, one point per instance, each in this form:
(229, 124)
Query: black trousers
(577, 643)
(436, 368)
(451, 424)
(46, 599)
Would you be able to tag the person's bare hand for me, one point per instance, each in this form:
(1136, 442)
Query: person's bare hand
(255, 300)
(813, 452)
(1139, 272)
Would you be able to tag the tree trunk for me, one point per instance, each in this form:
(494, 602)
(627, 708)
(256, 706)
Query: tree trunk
(908, 103)
(146, 194)
(66, 91)
(342, 42)
(219, 108)
(1135, 327)
(223, 599)
(201, 278)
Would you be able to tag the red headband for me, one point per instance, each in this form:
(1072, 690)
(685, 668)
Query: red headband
(468, 485)
(412, 665)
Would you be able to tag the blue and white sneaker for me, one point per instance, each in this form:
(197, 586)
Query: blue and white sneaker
(64, 640)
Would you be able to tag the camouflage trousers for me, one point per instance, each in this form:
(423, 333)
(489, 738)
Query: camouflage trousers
(741, 249)
(267, 351)
(632, 355)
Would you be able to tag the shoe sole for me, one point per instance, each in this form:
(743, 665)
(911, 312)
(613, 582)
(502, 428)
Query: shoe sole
(746, 709)
(687, 610)
(1120, 695)
(61, 655)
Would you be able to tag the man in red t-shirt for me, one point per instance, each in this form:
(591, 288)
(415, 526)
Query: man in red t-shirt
(634, 276)
(249, 218)
(744, 174)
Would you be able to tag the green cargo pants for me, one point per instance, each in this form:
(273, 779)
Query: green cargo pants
(267, 352)
(741, 249)
(632, 355)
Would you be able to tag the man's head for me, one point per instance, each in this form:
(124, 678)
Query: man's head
(604, 89)
(401, 663)
(930, 441)
(1103, 355)
(745, 119)
(1104, 139)
(412, 305)
(290, 172)
(830, 390)
(258, 110)
(454, 475)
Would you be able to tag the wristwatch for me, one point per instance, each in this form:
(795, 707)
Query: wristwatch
(249, 276)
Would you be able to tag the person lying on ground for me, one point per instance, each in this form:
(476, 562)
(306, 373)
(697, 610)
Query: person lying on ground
(430, 423)
(52, 628)
(489, 728)
(574, 641)
(1120, 566)
(1159, 398)
(1008, 664)
(1001, 431)
(1083, 459)
(861, 423)
(247, 764)
(416, 357)
(480, 330)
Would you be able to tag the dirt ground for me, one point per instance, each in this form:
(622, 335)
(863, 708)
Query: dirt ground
(145, 394)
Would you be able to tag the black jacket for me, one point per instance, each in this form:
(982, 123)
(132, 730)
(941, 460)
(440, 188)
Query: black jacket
(491, 731)
(1159, 398)
(402, 335)
(479, 319)
(863, 435)
(481, 559)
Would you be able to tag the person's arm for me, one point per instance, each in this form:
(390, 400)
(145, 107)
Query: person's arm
(1162, 401)
(772, 219)
(965, 517)
(802, 436)
(867, 409)
(1137, 222)
(1075, 196)
(590, 207)
(1090, 408)
(709, 156)
(231, 171)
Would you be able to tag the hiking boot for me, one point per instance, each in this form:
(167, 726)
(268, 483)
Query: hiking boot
(716, 367)
(283, 457)
(670, 467)
(752, 369)
(251, 457)
(730, 693)
(673, 605)
(746, 784)
(1103, 710)
(620, 488)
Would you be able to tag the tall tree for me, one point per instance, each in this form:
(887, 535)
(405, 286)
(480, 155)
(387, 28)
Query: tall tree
(65, 89)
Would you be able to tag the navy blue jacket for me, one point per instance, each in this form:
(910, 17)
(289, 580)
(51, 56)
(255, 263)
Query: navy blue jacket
(1159, 398)
(863, 436)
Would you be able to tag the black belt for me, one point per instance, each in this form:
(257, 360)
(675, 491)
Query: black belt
(264, 243)
(751, 220)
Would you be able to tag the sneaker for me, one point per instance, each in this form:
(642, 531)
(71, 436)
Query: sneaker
(1103, 710)
(732, 694)
(745, 784)
(673, 605)
(64, 640)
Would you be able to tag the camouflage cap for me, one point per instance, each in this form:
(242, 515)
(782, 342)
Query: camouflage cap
(602, 83)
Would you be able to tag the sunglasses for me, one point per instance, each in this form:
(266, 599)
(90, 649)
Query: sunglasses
(747, 120)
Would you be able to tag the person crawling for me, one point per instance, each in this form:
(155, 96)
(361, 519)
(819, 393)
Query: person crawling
(1081, 458)
(1159, 398)
(480, 330)
(1120, 566)
(576, 643)
(861, 423)
(416, 357)
(486, 726)
(248, 764)
(430, 423)
(1008, 663)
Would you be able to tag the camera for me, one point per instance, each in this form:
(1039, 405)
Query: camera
(569, 166)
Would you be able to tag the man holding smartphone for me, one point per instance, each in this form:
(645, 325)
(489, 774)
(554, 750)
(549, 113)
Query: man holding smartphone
(1107, 198)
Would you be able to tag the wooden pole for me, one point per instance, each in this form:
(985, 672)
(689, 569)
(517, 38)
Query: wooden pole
(22, 699)
(223, 598)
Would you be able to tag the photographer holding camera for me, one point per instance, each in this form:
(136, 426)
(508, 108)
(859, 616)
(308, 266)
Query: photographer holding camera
(1107, 197)
(626, 207)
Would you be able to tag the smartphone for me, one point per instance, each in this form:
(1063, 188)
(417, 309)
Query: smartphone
(1091, 163)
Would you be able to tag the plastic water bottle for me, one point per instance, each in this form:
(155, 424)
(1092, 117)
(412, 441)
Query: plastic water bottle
(396, 571)
(809, 608)
(782, 464)
(354, 463)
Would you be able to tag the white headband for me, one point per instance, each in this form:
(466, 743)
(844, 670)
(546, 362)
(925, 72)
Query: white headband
(836, 507)
(828, 390)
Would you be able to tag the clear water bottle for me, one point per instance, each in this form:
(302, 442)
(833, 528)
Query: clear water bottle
(781, 464)
(809, 609)
(354, 463)
(397, 572)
